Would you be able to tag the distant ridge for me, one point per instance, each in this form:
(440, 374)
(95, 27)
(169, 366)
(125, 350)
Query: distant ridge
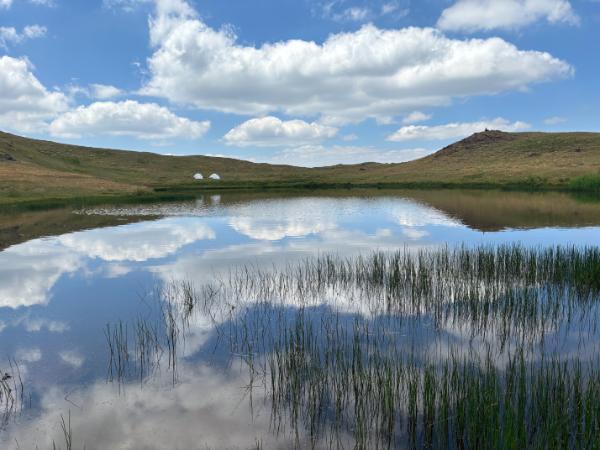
(33, 169)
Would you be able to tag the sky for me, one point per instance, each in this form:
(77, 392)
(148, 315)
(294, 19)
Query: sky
(304, 82)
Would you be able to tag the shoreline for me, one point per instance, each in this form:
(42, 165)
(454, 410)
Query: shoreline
(190, 192)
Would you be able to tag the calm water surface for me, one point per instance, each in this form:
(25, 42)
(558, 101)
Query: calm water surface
(67, 275)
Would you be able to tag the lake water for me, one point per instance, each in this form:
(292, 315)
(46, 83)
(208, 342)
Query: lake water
(76, 283)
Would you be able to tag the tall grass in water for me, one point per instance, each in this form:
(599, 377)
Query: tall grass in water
(67, 432)
(117, 337)
(137, 349)
(12, 392)
(506, 291)
(342, 341)
(390, 395)
(447, 348)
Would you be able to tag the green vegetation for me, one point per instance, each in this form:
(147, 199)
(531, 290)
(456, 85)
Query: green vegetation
(586, 183)
(32, 170)
(509, 292)
(11, 393)
(379, 375)
(444, 348)
(386, 399)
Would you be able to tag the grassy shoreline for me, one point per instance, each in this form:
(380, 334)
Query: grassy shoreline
(587, 185)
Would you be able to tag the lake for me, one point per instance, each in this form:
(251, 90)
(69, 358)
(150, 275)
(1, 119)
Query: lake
(334, 319)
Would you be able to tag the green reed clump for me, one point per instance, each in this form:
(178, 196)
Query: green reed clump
(386, 396)
(137, 348)
(506, 291)
(443, 348)
(371, 378)
(12, 392)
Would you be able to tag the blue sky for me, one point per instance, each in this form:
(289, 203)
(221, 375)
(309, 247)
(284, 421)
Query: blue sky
(300, 82)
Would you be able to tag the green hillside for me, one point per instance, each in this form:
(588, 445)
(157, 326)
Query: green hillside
(494, 157)
(33, 169)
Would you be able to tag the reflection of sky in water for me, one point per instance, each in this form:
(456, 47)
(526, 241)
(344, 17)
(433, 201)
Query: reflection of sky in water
(57, 294)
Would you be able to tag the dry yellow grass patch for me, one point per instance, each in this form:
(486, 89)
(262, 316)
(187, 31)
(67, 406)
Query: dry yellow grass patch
(24, 180)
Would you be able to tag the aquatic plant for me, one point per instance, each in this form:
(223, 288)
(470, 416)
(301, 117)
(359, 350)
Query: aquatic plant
(440, 348)
(342, 346)
(12, 392)
(387, 396)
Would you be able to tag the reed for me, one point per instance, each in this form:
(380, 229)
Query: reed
(390, 397)
(348, 359)
(510, 292)
(117, 337)
(12, 392)
(456, 348)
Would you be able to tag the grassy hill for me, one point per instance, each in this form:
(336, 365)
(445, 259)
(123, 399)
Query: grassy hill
(33, 169)
(494, 157)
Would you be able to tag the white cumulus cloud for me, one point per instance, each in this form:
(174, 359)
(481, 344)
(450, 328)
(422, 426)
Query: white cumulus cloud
(25, 104)
(453, 130)
(477, 15)
(271, 131)
(104, 91)
(351, 76)
(95, 91)
(10, 35)
(127, 118)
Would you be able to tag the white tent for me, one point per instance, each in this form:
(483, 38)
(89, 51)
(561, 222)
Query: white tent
(198, 176)
(215, 176)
